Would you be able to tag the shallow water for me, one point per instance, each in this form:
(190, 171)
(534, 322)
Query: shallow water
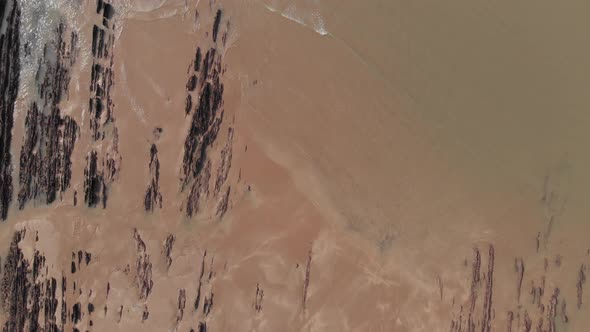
(390, 165)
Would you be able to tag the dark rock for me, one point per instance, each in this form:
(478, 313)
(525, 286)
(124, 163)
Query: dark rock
(216, 25)
(208, 304)
(192, 83)
(519, 267)
(64, 307)
(199, 189)
(95, 189)
(153, 197)
(205, 124)
(76, 313)
(102, 170)
(225, 165)
(143, 267)
(9, 83)
(167, 249)
(223, 203)
(306, 280)
(258, 298)
(26, 292)
(15, 286)
(45, 165)
(489, 286)
(120, 314)
(108, 11)
(188, 104)
(157, 132)
(46, 171)
(198, 299)
(580, 284)
(145, 314)
(181, 304)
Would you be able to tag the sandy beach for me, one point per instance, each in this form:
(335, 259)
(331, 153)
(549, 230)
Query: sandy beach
(266, 165)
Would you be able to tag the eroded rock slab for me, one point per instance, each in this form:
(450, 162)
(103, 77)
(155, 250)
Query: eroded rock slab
(205, 88)
(45, 157)
(104, 159)
(10, 12)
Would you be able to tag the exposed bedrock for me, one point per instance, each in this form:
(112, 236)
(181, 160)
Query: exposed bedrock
(49, 139)
(143, 268)
(9, 81)
(153, 197)
(538, 304)
(167, 249)
(31, 297)
(103, 165)
(45, 160)
(205, 92)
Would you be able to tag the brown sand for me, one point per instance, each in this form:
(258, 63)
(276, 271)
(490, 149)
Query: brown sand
(341, 168)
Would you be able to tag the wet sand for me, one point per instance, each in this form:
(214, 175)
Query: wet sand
(405, 169)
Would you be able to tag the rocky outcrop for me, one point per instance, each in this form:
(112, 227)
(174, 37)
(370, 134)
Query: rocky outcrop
(208, 304)
(95, 190)
(519, 268)
(181, 304)
(205, 88)
(30, 296)
(486, 320)
(199, 191)
(479, 309)
(259, 297)
(167, 249)
(223, 203)
(9, 82)
(15, 286)
(78, 259)
(153, 197)
(205, 296)
(145, 314)
(198, 298)
(103, 160)
(306, 280)
(216, 25)
(45, 157)
(225, 162)
(143, 268)
(542, 307)
(580, 285)
(45, 172)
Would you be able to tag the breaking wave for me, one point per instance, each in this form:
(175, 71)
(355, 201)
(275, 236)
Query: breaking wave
(39, 22)
(306, 13)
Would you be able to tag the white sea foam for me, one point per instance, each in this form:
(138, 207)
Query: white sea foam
(304, 12)
(147, 10)
(38, 26)
(151, 9)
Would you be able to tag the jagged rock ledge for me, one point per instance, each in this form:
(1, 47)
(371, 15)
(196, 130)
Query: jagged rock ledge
(102, 167)
(204, 86)
(9, 82)
(153, 197)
